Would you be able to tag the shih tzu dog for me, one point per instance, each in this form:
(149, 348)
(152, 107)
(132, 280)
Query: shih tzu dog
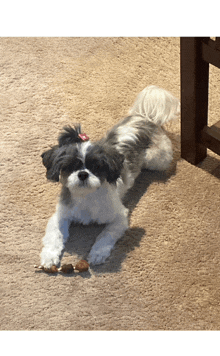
(96, 175)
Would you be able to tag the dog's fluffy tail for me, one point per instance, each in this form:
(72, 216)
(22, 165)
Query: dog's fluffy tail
(156, 104)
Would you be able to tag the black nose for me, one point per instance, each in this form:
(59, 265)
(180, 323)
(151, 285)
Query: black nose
(83, 175)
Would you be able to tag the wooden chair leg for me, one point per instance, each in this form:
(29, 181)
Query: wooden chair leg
(194, 98)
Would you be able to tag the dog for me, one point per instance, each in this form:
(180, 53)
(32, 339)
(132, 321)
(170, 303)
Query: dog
(96, 175)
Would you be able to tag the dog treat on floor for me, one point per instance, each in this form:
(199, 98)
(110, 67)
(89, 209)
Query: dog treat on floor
(66, 268)
(81, 266)
(52, 269)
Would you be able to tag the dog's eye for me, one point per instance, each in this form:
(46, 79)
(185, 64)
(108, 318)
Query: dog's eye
(72, 166)
(95, 166)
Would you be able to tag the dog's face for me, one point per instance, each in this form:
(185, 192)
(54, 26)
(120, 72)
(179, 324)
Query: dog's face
(81, 166)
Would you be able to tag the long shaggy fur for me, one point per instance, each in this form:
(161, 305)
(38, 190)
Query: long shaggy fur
(95, 176)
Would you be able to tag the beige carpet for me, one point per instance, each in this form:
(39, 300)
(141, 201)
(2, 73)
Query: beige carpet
(164, 274)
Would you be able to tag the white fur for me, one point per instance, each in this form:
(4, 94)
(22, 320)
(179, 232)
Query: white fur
(83, 147)
(156, 104)
(99, 201)
(102, 206)
(75, 187)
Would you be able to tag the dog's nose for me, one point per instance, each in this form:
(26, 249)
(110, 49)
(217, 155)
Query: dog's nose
(83, 175)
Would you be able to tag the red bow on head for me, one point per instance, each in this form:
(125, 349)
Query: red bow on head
(84, 137)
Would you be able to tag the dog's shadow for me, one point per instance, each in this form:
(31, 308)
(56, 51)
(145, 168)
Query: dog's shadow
(82, 237)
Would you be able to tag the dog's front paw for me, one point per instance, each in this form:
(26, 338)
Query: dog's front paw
(98, 257)
(49, 258)
(100, 251)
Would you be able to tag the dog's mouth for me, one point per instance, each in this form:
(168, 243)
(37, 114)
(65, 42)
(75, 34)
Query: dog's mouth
(83, 184)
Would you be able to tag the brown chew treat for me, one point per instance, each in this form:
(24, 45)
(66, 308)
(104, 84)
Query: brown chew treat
(82, 266)
(66, 268)
(52, 269)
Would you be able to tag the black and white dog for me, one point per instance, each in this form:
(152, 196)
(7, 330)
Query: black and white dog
(96, 175)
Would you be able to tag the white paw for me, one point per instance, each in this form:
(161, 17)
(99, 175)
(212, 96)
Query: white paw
(100, 251)
(49, 258)
(98, 257)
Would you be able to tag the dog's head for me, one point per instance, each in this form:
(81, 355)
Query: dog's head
(81, 165)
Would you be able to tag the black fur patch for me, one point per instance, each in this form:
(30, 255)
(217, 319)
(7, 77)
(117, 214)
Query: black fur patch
(70, 135)
(104, 162)
(49, 157)
(59, 159)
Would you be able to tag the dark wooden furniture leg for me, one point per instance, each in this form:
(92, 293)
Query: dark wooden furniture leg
(194, 98)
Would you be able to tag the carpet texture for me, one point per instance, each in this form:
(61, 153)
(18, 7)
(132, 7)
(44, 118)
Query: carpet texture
(164, 273)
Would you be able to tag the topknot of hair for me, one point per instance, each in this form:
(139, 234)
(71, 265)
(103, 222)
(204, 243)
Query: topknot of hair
(70, 135)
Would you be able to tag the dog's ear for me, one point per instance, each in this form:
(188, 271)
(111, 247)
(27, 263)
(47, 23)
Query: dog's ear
(114, 163)
(52, 163)
(70, 135)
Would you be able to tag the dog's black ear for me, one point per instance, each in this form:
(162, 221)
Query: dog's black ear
(52, 163)
(114, 162)
(70, 135)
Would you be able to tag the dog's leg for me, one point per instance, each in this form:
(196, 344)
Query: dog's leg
(57, 233)
(106, 240)
(127, 181)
